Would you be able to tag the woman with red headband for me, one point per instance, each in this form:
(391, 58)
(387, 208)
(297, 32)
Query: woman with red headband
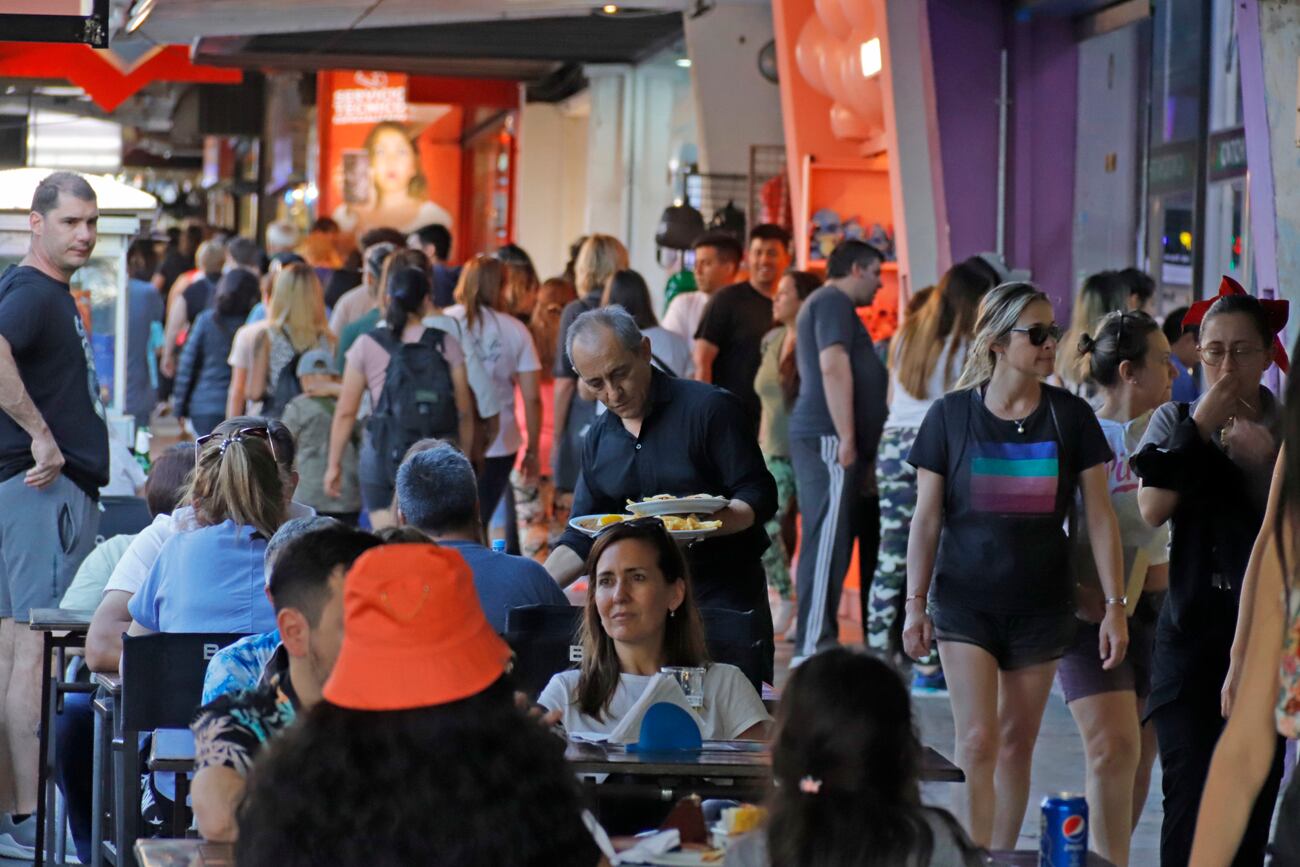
(1206, 466)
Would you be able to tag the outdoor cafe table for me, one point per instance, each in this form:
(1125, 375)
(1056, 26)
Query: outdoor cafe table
(740, 760)
(60, 630)
(197, 853)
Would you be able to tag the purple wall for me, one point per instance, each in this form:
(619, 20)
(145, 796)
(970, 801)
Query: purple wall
(966, 38)
(1044, 94)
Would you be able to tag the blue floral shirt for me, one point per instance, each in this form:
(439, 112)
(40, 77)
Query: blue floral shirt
(234, 728)
(239, 666)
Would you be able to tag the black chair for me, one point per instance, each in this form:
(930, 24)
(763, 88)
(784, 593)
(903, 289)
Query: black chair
(162, 683)
(122, 516)
(545, 641)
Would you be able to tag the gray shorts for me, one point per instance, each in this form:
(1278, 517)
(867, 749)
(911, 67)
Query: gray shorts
(44, 536)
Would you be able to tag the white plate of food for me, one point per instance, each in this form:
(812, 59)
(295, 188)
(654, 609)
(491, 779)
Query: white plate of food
(665, 504)
(683, 528)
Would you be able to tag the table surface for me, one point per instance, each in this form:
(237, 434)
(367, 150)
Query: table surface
(589, 758)
(53, 619)
(197, 853)
(1029, 858)
(184, 853)
(172, 750)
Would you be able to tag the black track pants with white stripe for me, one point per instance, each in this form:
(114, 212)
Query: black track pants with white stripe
(826, 494)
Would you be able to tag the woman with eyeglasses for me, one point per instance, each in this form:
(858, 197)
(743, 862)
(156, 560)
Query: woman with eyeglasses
(1128, 360)
(999, 462)
(1206, 466)
(641, 616)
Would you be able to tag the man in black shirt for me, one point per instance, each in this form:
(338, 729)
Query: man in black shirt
(664, 435)
(53, 460)
(728, 343)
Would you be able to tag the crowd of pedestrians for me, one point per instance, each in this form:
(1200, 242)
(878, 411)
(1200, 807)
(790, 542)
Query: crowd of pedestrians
(1028, 505)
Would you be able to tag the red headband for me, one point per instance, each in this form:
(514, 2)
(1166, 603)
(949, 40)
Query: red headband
(1276, 312)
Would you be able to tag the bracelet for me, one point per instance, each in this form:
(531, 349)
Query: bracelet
(914, 596)
(1117, 600)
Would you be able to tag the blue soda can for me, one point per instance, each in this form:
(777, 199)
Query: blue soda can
(1063, 835)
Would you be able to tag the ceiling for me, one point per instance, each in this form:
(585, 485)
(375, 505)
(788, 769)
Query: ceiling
(184, 21)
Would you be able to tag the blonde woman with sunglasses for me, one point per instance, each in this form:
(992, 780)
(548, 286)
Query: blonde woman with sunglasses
(999, 461)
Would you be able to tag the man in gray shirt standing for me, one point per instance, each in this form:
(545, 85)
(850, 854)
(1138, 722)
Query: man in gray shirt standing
(835, 426)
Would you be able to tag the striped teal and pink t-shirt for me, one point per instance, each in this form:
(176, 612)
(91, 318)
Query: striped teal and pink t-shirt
(1013, 478)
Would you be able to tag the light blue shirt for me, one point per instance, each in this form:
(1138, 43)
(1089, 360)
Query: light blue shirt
(257, 314)
(212, 579)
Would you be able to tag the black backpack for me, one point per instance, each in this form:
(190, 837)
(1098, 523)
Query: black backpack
(286, 386)
(418, 399)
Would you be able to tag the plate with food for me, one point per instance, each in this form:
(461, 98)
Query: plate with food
(667, 504)
(683, 528)
(593, 524)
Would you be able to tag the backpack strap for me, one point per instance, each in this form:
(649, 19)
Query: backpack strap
(956, 420)
(663, 366)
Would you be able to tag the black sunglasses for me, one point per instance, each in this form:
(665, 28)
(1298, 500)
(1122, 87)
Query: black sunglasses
(258, 432)
(636, 523)
(1039, 333)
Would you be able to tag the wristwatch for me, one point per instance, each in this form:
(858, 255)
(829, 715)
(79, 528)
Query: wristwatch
(1117, 600)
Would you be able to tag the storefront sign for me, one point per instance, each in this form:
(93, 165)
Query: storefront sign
(1172, 167)
(385, 160)
(372, 97)
(1228, 154)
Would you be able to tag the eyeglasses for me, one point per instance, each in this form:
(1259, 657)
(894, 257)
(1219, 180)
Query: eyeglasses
(1214, 355)
(260, 432)
(1039, 333)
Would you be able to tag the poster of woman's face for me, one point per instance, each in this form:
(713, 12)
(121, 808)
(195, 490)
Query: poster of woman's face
(383, 182)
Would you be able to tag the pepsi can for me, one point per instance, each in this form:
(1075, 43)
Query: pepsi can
(1063, 837)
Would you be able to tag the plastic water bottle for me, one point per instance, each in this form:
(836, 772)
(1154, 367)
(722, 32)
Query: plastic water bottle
(499, 546)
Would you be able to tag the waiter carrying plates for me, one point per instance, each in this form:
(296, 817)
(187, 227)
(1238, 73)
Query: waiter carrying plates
(664, 435)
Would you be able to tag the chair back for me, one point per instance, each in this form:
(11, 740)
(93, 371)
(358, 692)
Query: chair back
(731, 639)
(162, 677)
(545, 641)
(122, 516)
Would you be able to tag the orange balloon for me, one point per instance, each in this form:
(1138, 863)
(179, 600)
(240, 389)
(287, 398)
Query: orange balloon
(860, 92)
(808, 50)
(832, 16)
(846, 125)
(861, 14)
(832, 59)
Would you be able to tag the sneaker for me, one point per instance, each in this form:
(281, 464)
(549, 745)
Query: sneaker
(931, 683)
(18, 840)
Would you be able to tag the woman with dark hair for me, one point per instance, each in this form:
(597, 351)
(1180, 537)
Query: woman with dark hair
(1129, 360)
(203, 374)
(777, 385)
(640, 616)
(367, 367)
(670, 352)
(506, 347)
(1207, 467)
(520, 285)
(846, 764)
(925, 358)
(417, 753)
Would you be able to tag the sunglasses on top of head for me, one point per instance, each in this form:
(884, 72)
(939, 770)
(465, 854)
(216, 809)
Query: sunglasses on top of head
(1039, 333)
(260, 432)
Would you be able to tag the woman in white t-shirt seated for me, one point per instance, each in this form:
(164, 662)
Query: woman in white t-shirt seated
(641, 616)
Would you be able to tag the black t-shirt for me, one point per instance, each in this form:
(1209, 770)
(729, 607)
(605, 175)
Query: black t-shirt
(735, 320)
(40, 321)
(174, 264)
(1004, 547)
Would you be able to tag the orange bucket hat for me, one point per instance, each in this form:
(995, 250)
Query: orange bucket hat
(414, 634)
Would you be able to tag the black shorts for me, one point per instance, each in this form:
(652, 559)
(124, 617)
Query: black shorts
(1014, 640)
(1081, 675)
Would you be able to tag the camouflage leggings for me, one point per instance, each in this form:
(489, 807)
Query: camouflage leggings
(776, 559)
(896, 479)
